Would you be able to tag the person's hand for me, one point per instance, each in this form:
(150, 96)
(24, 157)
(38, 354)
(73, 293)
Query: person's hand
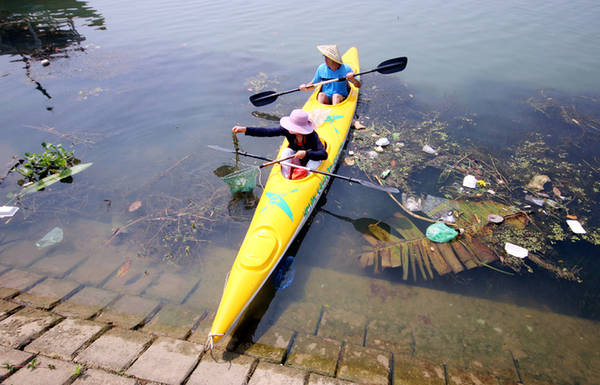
(238, 129)
(306, 86)
(300, 154)
(350, 76)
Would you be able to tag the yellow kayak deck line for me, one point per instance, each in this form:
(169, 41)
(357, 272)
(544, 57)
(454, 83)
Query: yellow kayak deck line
(284, 207)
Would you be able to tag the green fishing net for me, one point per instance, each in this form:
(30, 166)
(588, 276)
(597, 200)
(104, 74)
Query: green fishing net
(242, 180)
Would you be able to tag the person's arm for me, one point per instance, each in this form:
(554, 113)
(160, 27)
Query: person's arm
(352, 79)
(265, 131)
(317, 151)
(311, 85)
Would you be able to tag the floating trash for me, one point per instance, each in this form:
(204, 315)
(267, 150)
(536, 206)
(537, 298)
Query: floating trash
(372, 154)
(379, 149)
(576, 226)
(534, 200)
(45, 62)
(515, 251)
(385, 174)
(427, 149)
(470, 181)
(351, 153)
(495, 218)
(449, 217)
(358, 125)
(8, 211)
(134, 206)
(382, 142)
(439, 232)
(53, 237)
(537, 182)
(411, 203)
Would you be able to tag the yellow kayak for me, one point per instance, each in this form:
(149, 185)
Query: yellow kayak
(282, 210)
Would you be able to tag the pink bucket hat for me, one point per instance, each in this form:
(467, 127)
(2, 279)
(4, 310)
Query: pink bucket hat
(298, 122)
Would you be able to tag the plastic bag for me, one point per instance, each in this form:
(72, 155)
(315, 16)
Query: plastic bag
(439, 232)
(53, 237)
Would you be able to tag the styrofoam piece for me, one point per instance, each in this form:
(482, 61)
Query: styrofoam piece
(470, 181)
(575, 226)
(515, 251)
(8, 211)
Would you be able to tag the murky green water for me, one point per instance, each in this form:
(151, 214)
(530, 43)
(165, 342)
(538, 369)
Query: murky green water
(139, 89)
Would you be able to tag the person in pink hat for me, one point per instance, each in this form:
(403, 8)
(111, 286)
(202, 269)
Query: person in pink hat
(304, 142)
(333, 68)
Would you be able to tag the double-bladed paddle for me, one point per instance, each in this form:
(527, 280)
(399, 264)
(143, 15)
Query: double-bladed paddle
(365, 183)
(387, 67)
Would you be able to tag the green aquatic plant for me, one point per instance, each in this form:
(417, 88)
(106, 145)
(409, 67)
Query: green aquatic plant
(53, 160)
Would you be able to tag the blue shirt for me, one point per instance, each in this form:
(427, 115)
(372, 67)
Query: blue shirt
(325, 73)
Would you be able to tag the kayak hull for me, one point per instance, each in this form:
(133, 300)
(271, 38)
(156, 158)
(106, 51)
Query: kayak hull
(282, 211)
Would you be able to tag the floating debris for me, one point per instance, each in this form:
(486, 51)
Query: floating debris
(134, 206)
(515, 251)
(358, 125)
(469, 181)
(495, 218)
(575, 226)
(382, 142)
(53, 237)
(428, 150)
(8, 211)
(537, 182)
(439, 232)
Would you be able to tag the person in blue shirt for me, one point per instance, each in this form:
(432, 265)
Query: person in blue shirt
(333, 68)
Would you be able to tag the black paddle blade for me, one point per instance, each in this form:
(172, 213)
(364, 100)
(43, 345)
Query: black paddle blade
(263, 98)
(392, 65)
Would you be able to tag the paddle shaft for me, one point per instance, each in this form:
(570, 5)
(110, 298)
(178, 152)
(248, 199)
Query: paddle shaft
(386, 67)
(276, 161)
(365, 183)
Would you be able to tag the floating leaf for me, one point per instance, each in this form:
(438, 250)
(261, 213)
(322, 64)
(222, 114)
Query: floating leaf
(124, 269)
(134, 206)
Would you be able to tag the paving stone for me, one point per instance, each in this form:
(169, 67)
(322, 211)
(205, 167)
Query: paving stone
(86, 302)
(114, 350)
(299, 316)
(221, 368)
(412, 371)
(168, 361)
(96, 269)
(317, 379)
(48, 293)
(58, 265)
(389, 336)
(7, 307)
(365, 365)
(174, 321)
(343, 325)
(137, 278)
(272, 345)
(24, 325)
(172, 286)
(315, 354)
(15, 358)
(99, 377)
(200, 334)
(128, 311)
(267, 373)
(47, 372)
(463, 377)
(23, 254)
(18, 280)
(63, 340)
(6, 293)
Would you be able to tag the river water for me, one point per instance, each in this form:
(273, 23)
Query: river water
(139, 89)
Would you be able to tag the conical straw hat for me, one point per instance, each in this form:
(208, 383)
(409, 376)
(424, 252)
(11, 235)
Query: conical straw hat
(331, 51)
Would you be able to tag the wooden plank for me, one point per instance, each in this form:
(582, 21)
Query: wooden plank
(405, 227)
(386, 260)
(480, 250)
(463, 254)
(438, 263)
(395, 256)
(366, 259)
(405, 253)
(419, 259)
(413, 263)
(449, 256)
(427, 263)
